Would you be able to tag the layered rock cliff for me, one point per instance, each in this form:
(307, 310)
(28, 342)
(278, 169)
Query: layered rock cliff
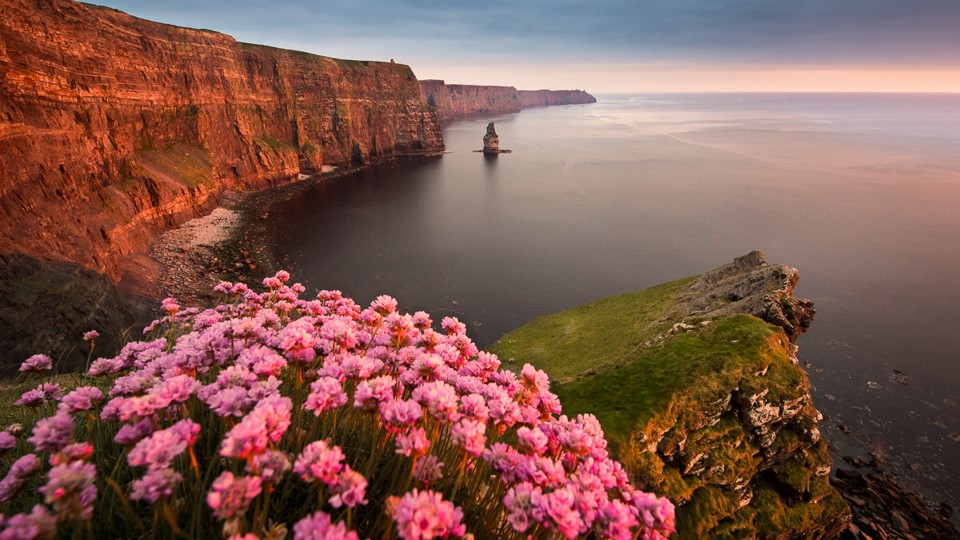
(458, 100)
(697, 385)
(112, 127)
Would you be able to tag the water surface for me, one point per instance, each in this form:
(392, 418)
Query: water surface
(860, 192)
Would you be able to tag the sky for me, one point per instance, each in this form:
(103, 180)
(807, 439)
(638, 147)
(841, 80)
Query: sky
(611, 45)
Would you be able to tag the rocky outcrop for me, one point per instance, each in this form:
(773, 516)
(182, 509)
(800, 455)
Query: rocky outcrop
(698, 389)
(752, 286)
(112, 127)
(491, 141)
(458, 100)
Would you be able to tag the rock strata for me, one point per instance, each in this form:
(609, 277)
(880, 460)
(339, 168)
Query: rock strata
(752, 286)
(113, 128)
(458, 100)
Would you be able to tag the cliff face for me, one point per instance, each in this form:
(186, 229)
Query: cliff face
(697, 386)
(112, 127)
(457, 100)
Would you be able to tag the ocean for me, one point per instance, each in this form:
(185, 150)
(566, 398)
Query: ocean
(860, 192)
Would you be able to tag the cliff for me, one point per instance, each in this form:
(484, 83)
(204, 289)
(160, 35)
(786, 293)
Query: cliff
(458, 100)
(697, 385)
(112, 127)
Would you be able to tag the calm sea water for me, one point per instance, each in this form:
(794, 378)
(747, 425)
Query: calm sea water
(860, 192)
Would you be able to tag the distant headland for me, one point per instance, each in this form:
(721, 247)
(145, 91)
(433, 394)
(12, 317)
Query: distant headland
(453, 101)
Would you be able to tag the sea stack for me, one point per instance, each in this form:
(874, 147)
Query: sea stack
(491, 142)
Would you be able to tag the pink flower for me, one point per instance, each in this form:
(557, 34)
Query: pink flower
(319, 526)
(616, 521)
(399, 415)
(319, 461)
(7, 442)
(159, 449)
(170, 305)
(371, 393)
(231, 496)
(32, 398)
(176, 389)
(83, 398)
(325, 393)
(348, 489)
(51, 434)
(414, 443)
(384, 305)
(557, 510)
(70, 490)
(531, 440)
(270, 465)
(341, 331)
(36, 364)
(424, 514)
(440, 399)
(72, 452)
(91, 335)
(428, 470)
(520, 501)
(38, 524)
(155, 484)
(21, 470)
(297, 340)
(469, 435)
(245, 440)
(451, 325)
(132, 433)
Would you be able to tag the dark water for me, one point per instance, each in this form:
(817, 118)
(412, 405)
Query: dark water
(860, 192)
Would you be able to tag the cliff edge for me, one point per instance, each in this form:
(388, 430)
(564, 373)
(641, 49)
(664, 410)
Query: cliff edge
(113, 128)
(452, 101)
(697, 385)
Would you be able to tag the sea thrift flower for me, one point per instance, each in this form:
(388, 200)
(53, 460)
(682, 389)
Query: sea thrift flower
(399, 414)
(469, 435)
(32, 398)
(440, 399)
(520, 501)
(7, 442)
(132, 433)
(159, 449)
(70, 490)
(325, 393)
(38, 524)
(532, 440)
(414, 443)
(21, 470)
(231, 496)
(424, 514)
(319, 526)
(72, 452)
(170, 305)
(270, 465)
(319, 461)
(51, 434)
(428, 470)
(348, 489)
(371, 393)
(91, 335)
(83, 398)
(37, 364)
(384, 305)
(155, 484)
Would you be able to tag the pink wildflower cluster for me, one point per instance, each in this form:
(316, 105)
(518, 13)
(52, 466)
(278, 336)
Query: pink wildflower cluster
(283, 378)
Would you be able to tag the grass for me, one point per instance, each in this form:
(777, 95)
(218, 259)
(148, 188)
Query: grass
(186, 163)
(618, 359)
(592, 336)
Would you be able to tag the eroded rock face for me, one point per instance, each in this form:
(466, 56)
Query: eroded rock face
(752, 286)
(743, 457)
(491, 141)
(112, 127)
(458, 100)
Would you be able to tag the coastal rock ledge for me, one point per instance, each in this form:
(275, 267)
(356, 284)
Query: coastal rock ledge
(697, 386)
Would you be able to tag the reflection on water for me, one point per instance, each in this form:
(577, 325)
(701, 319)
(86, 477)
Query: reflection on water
(859, 192)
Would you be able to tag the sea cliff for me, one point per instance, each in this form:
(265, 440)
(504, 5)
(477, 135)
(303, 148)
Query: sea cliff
(113, 128)
(458, 100)
(697, 386)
